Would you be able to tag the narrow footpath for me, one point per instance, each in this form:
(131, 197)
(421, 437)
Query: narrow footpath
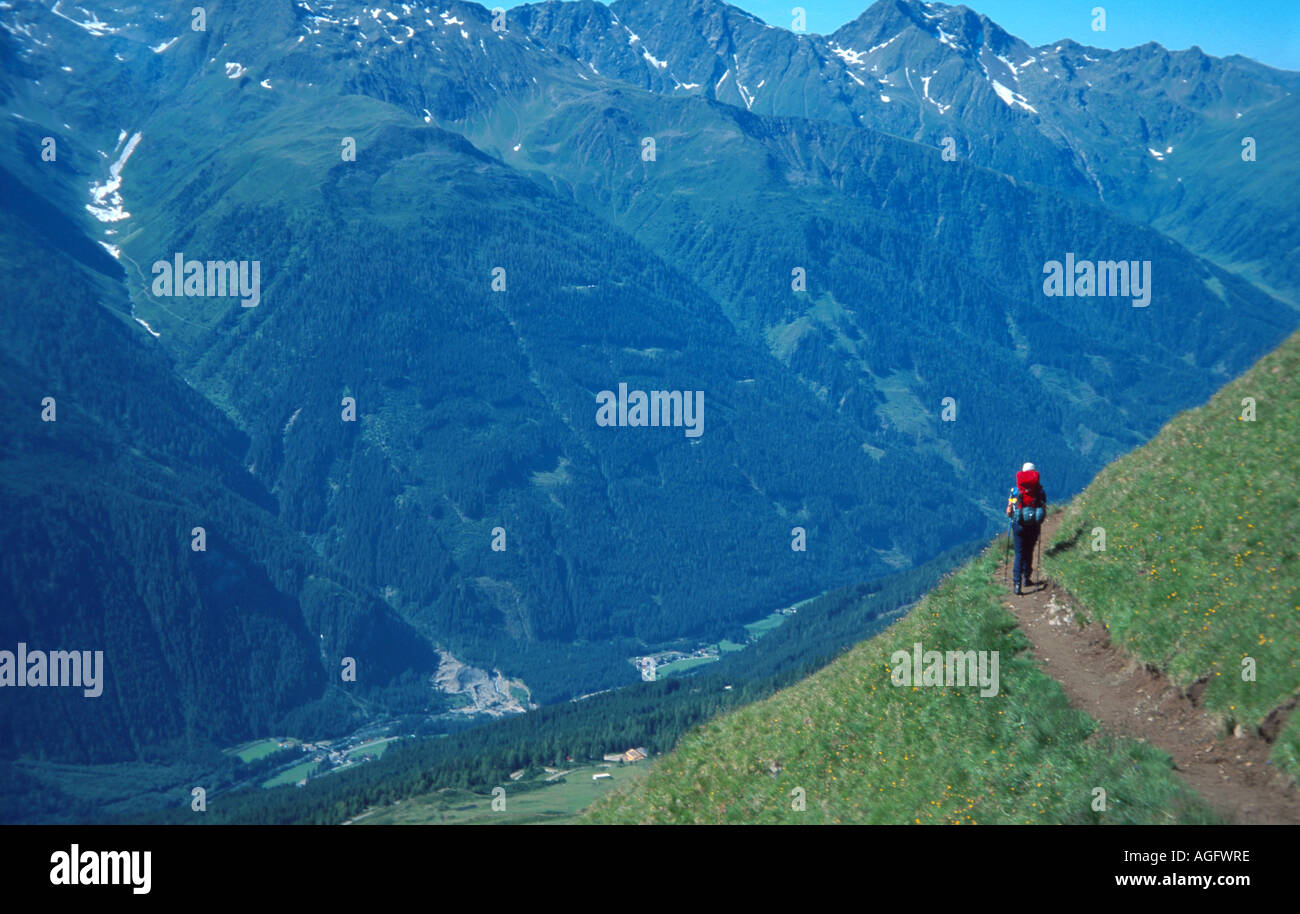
(1231, 772)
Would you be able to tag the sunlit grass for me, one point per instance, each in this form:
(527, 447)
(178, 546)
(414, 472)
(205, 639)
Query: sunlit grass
(866, 751)
(1199, 574)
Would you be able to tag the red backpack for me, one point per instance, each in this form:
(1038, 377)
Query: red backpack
(1027, 485)
(1031, 508)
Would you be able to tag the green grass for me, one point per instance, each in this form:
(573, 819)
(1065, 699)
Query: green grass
(1200, 567)
(257, 749)
(376, 748)
(291, 775)
(558, 803)
(774, 619)
(681, 666)
(863, 750)
(755, 630)
(764, 625)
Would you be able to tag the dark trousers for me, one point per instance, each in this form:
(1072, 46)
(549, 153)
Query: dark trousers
(1025, 537)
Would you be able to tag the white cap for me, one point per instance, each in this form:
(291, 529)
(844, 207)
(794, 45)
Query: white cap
(1027, 467)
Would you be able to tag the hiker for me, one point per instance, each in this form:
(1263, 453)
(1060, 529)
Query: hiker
(1027, 506)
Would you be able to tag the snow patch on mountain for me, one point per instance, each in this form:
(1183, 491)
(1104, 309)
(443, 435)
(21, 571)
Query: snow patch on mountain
(745, 95)
(925, 92)
(94, 25)
(880, 47)
(107, 205)
(1012, 99)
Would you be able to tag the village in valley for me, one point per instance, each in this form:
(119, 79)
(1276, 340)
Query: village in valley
(479, 692)
(674, 661)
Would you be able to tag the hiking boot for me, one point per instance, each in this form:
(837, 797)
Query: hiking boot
(1017, 588)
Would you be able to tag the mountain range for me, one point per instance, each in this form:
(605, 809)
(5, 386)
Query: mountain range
(466, 232)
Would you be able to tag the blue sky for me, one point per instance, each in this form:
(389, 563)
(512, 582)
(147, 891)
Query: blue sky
(1267, 30)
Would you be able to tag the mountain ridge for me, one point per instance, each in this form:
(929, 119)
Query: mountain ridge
(476, 150)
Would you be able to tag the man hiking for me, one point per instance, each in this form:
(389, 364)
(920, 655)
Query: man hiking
(1026, 506)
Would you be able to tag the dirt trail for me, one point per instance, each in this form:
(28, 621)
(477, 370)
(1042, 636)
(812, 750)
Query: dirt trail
(1231, 773)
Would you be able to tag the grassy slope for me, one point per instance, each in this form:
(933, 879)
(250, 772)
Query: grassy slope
(864, 750)
(1199, 572)
(1200, 562)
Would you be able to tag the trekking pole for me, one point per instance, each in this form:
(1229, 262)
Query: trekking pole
(1040, 556)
